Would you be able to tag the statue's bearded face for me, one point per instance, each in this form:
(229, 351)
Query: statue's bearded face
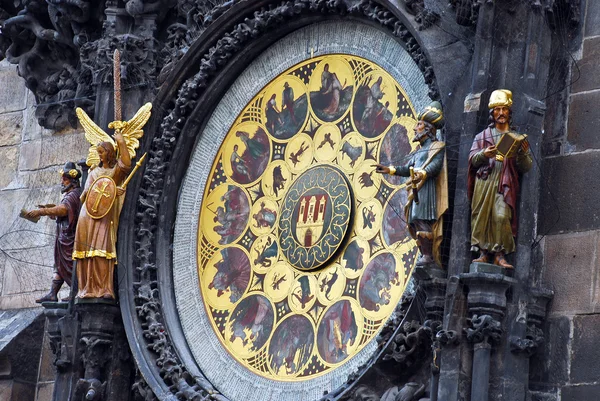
(65, 184)
(422, 130)
(501, 114)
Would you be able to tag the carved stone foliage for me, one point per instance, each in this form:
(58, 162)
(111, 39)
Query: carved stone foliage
(141, 390)
(424, 17)
(407, 345)
(447, 337)
(44, 39)
(483, 328)
(138, 61)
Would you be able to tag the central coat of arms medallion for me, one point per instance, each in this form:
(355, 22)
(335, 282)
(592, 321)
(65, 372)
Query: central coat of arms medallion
(315, 215)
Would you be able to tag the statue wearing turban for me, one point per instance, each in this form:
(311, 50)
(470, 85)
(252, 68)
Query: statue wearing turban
(428, 186)
(494, 185)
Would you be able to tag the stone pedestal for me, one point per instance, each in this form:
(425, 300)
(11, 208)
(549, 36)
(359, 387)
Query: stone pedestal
(92, 356)
(486, 302)
(432, 280)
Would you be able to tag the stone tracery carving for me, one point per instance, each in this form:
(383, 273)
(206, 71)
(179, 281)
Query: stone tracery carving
(43, 39)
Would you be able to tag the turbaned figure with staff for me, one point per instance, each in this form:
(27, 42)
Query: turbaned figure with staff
(102, 199)
(427, 186)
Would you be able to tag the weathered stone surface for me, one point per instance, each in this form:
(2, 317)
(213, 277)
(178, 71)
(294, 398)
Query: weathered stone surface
(589, 66)
(21, 276)
(543, 396)
(551, 363)
(10, 205)
(586, 353)
(23, 391)
(31, 155)
(5, 389)
(570, 268)
(53, 151)
(9, 156)
(23, 300)
(580, 393)
(592, 28)
(45, 392)
(69, 145)
(11, 125)
(584, 114)
(12, 95)
(31, 128)
(47, 371)
(571, 194)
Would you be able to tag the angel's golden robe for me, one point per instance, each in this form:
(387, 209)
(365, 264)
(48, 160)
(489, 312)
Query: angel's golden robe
(95, 241)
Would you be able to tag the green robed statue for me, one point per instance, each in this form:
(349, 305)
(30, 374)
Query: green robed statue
(496, 159)
(427, 187)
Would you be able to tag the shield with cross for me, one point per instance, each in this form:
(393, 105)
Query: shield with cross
(101, 197)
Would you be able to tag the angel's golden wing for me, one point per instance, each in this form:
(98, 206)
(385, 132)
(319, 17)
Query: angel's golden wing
(94, 136)
(132, 131)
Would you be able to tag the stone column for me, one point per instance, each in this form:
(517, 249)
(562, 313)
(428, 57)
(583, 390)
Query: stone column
(433, 281)
(486, 302)
(92, 356)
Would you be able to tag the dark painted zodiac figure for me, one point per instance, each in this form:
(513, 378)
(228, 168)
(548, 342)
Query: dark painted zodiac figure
(305, 295)
(354, 256)
(326, 140)
(365, 180)
(327, 284)
(265, 217)
(277, 280)
(268, 251)
(353, 152)
(368, 217)
(278, 180)
(295, 157)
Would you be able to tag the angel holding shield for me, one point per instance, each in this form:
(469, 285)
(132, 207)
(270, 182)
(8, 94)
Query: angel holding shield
(102, 199)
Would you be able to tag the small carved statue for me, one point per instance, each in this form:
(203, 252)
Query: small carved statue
(96, 237)
(496, 159)
(65, 214)
(428, 185)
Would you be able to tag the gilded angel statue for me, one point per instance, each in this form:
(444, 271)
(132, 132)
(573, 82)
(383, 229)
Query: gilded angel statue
(102, 199)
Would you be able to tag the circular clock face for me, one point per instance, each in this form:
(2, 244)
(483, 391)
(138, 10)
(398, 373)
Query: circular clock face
(303, 250)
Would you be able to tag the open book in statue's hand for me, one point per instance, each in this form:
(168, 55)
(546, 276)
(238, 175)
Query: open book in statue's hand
(23, 214)
(509, 144)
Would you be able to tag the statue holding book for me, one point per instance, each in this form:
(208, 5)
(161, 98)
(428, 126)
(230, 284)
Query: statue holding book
(65, 214)
(497, 158)
(427, 186)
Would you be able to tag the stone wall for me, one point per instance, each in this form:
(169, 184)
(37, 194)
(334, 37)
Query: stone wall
(569, 367)
(31, 157)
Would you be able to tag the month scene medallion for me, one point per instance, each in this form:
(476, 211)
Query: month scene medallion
(303, 250)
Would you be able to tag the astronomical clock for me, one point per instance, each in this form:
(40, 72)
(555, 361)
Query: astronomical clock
(290, 252)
